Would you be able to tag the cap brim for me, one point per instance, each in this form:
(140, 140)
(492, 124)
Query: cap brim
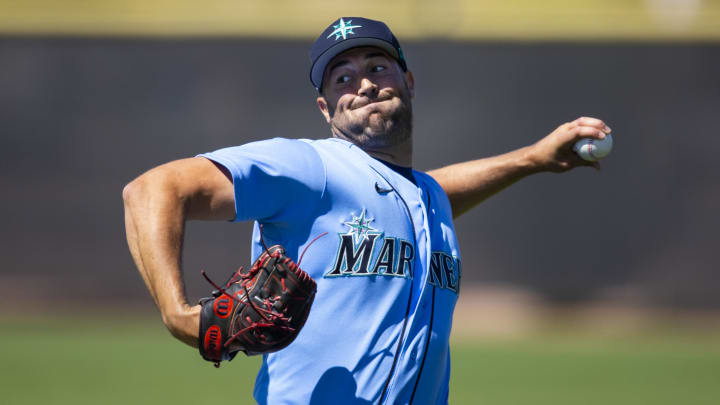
(318, 68)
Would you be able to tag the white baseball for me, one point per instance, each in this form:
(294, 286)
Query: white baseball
(592, 149)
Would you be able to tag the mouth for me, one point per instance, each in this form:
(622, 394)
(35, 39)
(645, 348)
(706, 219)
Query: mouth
(366, 102)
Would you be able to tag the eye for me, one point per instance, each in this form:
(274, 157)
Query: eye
(342, 79)
(377, 68)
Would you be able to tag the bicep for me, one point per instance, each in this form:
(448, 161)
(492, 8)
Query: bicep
(204, 187)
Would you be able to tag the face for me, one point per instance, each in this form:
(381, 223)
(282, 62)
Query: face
(366, 98)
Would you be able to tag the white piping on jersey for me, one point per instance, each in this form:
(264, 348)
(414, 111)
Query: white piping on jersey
(412, 281)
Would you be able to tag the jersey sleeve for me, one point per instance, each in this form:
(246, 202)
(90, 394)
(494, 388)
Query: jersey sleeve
(276, 180)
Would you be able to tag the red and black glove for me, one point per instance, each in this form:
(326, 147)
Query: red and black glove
(260, 310)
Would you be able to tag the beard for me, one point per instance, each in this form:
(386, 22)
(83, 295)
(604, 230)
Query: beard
(375, 128)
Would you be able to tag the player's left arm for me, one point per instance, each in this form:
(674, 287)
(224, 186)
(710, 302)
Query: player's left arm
(469, 183)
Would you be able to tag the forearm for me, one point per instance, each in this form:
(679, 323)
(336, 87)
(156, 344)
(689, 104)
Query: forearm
(469, 183)
(154, 221)
(132, 239)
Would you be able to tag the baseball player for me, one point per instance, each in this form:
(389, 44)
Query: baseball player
(389, 271)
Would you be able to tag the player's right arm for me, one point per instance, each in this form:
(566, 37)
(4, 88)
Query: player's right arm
(157, 205)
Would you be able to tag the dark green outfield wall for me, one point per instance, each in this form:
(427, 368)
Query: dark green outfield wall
(79, 118)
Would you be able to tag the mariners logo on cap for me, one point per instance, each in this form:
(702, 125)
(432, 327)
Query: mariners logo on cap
(343, 29)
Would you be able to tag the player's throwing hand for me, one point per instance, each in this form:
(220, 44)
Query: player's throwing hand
(554, 152)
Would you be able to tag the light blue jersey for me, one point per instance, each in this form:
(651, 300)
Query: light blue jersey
(387, 273)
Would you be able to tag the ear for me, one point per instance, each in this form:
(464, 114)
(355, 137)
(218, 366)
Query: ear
(322, 105)
(410, 82)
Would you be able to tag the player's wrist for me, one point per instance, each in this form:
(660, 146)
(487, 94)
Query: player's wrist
(530, 160)
(183, 323)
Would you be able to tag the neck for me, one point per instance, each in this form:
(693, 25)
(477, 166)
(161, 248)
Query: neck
(399, 154)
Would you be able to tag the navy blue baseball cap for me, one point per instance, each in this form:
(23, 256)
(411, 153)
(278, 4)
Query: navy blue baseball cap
(351, 32)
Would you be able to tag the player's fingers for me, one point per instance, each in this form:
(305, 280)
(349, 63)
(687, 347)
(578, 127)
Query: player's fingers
(586, 132)
(590, 121)
(593, 122)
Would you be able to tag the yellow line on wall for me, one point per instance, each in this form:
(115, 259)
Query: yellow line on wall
(410, 19)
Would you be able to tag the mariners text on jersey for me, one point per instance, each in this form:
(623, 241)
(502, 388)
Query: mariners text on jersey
(364, 251)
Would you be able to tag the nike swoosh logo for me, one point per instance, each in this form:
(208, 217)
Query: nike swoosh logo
(382, 190)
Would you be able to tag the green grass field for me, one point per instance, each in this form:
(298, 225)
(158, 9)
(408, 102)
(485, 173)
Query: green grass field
(68, 361)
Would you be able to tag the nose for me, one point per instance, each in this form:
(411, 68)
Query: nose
(368, 88)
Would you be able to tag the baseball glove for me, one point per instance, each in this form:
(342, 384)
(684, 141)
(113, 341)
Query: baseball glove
(260, 310)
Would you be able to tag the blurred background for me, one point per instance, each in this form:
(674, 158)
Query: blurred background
(587, 287)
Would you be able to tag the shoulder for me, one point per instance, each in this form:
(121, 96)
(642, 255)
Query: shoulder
(428, 183)
(329, 144)
(274, 160)
(427, 180)
(276, 145)
(309, 148)
(268, 150)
